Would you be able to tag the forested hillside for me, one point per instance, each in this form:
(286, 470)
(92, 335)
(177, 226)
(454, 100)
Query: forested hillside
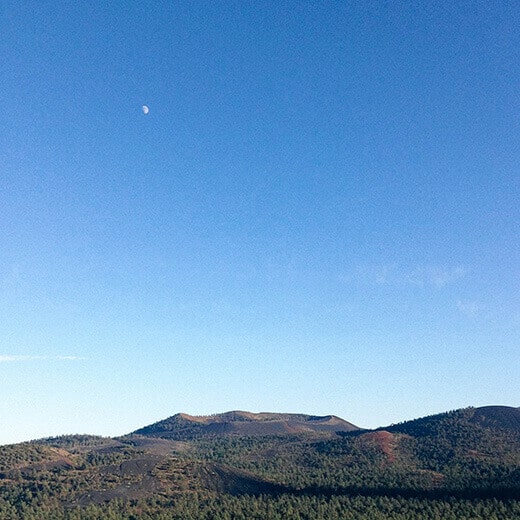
(460, 464)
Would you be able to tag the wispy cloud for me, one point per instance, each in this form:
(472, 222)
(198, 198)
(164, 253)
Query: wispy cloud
(436, 276)
(371, 274)
(13, 358)
(468, 307)
(394, 275)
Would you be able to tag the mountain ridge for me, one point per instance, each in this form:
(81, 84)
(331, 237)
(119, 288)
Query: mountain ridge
(182, 426)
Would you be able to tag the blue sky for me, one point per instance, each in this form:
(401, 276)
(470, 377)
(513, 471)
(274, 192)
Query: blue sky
(319, 213)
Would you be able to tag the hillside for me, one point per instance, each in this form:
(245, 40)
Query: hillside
(459, 464)
(187, 427)
(502, 417)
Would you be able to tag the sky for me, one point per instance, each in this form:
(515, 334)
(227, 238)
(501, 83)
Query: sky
(318, 214)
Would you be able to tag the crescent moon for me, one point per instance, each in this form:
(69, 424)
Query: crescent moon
(145, 109)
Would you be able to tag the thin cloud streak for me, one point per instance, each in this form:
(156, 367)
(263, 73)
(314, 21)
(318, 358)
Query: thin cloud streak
(14, 358)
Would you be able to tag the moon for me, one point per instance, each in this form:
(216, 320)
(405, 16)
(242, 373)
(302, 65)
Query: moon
(145, 110)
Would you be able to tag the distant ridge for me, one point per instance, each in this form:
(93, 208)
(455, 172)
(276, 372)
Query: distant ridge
(484, 418)
(184, 427)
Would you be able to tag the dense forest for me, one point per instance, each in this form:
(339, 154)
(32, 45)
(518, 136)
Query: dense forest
(463, 464)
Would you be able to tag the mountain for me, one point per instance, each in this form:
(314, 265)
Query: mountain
(187, 427)
(492, 417)
(503, 417)
(459, 464)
